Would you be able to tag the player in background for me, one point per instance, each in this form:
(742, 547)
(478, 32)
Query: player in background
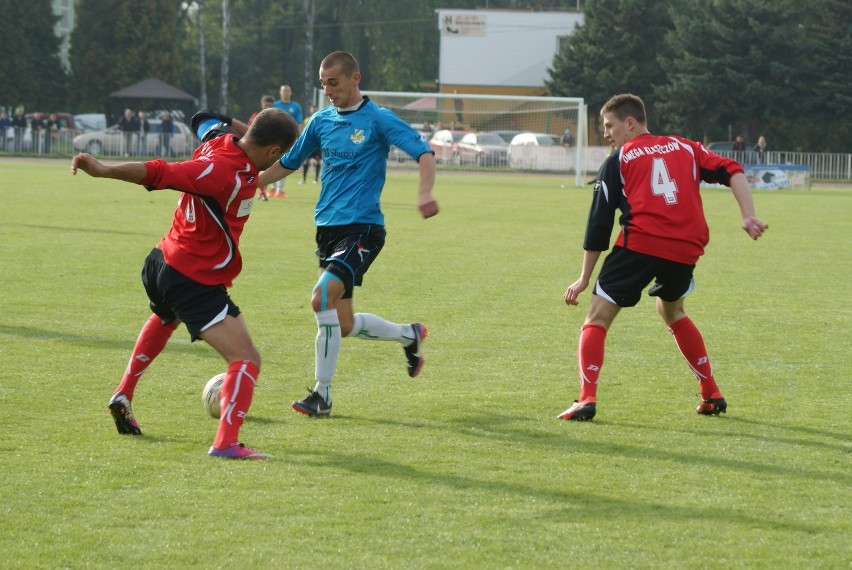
(187, 274)
(654, 182)
(292, 108)
(354, 135)
(266, 102)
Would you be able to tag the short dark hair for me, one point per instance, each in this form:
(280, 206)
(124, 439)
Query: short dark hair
(273, 127)
(626, 105)
(347, 62)
(268, 99)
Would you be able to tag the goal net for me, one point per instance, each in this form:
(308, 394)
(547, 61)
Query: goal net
(495, 132)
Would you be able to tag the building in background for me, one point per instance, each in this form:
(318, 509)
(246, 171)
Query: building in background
(501, 52)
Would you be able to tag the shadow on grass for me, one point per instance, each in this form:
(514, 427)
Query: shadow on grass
(492, 426)
(569, 504)
(34, 333)
(82, 229)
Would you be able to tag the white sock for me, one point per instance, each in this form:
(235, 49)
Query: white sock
(327, 349)
(373, 327)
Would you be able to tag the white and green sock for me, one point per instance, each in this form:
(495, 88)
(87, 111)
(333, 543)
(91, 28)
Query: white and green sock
(327, 350)
(372, 327)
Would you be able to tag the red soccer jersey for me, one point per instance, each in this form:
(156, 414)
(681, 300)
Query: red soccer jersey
(218, 185)
(654, 181)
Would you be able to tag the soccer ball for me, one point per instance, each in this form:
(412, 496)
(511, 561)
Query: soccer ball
(210, 395)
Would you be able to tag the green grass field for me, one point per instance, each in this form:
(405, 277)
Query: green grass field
(463, 467)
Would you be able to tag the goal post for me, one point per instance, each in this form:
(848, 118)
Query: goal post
(552, 118)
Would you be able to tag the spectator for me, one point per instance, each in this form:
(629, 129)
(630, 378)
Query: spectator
(567, 138)
(19, 125)
(5, 125)
(127, 125)
(739, 144)
(458, 105)
(36, 129)
(761, 148)
(50, 125)
(142, 133)
(167, 128)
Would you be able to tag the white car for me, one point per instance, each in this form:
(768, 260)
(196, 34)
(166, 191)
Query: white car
(110, 141)
(539, 151)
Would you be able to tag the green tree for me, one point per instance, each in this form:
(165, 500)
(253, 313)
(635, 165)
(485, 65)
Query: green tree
(30, 71)
(824, 97)
(116, 43)
(614, 51)
(732, 65)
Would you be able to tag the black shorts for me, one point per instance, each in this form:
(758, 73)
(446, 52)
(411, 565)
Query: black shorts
(626, 273)
(348, 251)
(176, 296)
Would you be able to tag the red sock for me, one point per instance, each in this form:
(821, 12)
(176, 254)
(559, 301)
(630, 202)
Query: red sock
(691, 345)
(235, 401)
(590, 356)
(150, 343)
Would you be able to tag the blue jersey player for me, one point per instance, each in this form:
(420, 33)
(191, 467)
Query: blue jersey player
(355, 136)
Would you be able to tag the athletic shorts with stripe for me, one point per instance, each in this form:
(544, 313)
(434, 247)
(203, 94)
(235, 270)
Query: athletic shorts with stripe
(348, 251)
(625, 274)
(174, 295)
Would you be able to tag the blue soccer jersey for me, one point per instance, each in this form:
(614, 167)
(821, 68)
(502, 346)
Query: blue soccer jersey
(292, 108)
(355, 146)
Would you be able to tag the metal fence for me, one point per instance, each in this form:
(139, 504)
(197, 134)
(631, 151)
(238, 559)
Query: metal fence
(823, 165)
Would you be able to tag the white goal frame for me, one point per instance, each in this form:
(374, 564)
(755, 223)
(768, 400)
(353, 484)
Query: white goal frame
(481, 112)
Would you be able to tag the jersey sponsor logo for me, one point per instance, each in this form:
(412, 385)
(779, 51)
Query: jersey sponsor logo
(358, 136)
(245, 207)
(640, 151)
(328, 153)
(342, 123)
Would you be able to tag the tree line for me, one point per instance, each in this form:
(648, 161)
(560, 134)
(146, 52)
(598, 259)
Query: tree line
(707, 69)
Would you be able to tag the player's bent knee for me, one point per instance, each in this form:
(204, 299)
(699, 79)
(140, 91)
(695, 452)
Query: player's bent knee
(324, 294)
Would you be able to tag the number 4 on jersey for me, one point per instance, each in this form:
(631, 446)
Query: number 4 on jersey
(661, 183)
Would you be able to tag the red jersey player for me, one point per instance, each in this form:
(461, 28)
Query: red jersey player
(654, 182)
(186, 276)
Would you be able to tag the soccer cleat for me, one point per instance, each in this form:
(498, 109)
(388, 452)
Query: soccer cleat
(579, 412)
(712, 407)
(238, 451)
(122, 415)
(313, 405)
(413, 352)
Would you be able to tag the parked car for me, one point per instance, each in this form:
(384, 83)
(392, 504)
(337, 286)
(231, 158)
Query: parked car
(482, 149)
(507, 135)
(443, 143)
(110, 141)
(398, 155)
(90, 122)
(539, 151)
(534, 139)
